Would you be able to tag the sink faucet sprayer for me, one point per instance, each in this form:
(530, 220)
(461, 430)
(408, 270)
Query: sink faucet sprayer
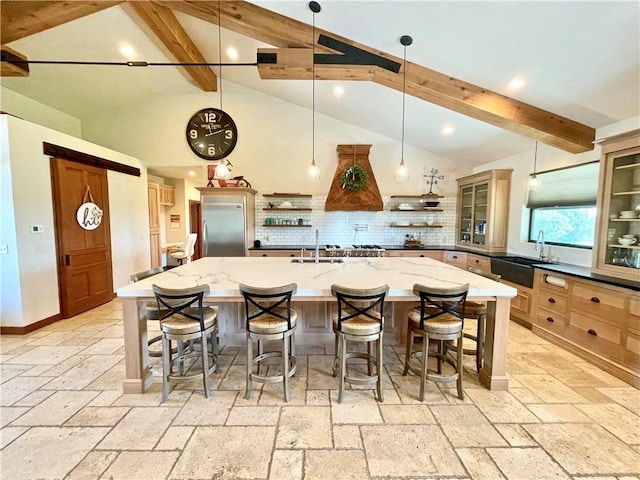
(540, 243)
(317, 246)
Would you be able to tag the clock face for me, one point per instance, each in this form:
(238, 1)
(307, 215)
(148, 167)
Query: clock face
(211, 134)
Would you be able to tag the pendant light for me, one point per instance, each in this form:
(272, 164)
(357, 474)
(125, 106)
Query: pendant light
(402, 173)
(313, 172)
(533, 179)
(222, 170)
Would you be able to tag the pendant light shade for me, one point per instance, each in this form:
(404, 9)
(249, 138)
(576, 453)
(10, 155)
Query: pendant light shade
(402, 173)
(534, 184)
(313, 172)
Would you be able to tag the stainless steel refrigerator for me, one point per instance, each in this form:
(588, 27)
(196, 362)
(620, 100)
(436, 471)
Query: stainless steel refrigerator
(224, 225)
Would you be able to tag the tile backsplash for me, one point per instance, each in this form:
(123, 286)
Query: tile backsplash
(347, 228)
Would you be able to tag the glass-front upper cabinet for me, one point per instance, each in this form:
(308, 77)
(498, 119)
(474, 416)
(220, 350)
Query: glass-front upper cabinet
(483, 209)
(618, 236)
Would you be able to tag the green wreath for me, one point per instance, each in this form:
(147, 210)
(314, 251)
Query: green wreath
(354, 178)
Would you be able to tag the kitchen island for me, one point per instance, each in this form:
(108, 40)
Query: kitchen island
(314, 280)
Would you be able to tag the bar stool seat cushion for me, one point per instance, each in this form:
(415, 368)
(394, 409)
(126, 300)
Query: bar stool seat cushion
(178, 325)
(360, 325)
(443, 324)
(266, 323)
(472, 309)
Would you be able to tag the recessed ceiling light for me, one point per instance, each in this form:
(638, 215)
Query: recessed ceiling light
(191, 173)
(447, 130)
(516, 83)
(338, 91)
(232, 53)
(127, 51)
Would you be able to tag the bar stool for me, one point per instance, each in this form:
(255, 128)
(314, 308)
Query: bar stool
(436, 319)
(151, 310)
(475, 311)
(269, 316)
(360, 318)
(186, 320)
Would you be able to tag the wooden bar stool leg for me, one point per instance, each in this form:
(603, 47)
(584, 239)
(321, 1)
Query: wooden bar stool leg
(460, 367)
(166, 367)
(369, 352)
(342, 344)
(480, 343)
(379, 369)
(425, 360)
(407, 353)
(285, 359)
(205, 366)
(247, 391)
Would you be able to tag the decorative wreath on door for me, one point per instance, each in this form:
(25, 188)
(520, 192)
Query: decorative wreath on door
(354, 178)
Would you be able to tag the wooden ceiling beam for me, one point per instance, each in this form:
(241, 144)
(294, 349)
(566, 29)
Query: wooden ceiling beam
(13, 64)
(21, 18)
(432, 86)
(168, 30)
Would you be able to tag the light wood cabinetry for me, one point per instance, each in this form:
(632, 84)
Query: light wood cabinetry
(457, 259)
(435, 254)
(521, 304)
(155, 251)
(167, 195)
(274, 253)
(478, 261)
(596, 321)
(483, 210)
(619, 192)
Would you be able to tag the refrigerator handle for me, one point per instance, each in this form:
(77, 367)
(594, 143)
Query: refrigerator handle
(205, 237)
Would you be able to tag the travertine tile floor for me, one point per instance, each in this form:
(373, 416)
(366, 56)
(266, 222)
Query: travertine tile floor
(63, 415)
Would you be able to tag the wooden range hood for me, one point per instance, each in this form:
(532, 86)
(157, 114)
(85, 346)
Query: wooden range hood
(343, 199)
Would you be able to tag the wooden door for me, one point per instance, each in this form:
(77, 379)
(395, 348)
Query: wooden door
(195, 220)
(85, 278)
(154, 224)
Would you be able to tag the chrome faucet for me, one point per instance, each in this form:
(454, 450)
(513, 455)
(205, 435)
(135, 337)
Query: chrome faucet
(317, 246)
(540, 244)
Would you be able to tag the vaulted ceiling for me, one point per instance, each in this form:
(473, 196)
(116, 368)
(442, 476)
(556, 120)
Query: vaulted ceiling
(463, 55)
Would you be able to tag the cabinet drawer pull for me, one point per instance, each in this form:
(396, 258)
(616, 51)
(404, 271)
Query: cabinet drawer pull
(552, 300)
(550, 319)
(595, 299)
(477, 261)
(591, 331)
(455, 256)
(422, 255)
(264, 254)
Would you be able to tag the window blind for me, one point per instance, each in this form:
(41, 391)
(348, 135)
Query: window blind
(566, 187)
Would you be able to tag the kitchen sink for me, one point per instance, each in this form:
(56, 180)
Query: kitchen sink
(518, 270)
(320, 260)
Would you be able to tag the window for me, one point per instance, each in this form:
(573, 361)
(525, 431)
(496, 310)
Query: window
(564, 206)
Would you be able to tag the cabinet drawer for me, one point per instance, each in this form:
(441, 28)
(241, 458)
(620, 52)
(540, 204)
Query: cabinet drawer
(594, 334)
(477, 261)
(551, 321)
(598, 301)
(552, 300)
(632, 352)
(458, 259)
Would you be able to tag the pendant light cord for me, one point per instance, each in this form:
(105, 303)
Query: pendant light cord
(535, 159)
(313, 90)
(404, 91)
(220, 50)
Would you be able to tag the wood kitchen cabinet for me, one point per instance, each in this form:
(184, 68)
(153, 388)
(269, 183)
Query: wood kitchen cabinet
(457, 259)
(435, 254)
(618, 192)
(167, 195)
(155, 251)
(482, 216)
(596, 321)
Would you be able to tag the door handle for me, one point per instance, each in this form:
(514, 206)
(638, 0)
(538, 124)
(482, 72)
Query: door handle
(67, 260)
(205, 243)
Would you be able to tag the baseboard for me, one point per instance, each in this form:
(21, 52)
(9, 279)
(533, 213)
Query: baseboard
(31, 327)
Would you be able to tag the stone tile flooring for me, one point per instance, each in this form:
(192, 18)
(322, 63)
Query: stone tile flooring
(63, 415)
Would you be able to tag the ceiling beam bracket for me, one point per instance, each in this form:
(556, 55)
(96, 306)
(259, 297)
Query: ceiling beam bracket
(351, 55)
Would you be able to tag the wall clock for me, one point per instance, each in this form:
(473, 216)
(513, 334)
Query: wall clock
(211, 133)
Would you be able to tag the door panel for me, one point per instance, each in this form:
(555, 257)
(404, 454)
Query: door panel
(84, 256)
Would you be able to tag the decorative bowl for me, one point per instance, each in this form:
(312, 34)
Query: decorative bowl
(626, 241)
(431, 204)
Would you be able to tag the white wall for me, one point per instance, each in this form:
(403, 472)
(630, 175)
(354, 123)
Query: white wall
(30, 292)
(27, 109)
(548, 158)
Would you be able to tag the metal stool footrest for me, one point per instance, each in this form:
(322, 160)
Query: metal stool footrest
(293, 367)
(435, 376)
(176, 361)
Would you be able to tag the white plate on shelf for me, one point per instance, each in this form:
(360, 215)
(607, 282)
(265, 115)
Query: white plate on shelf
(419, 224)
(400, 224)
